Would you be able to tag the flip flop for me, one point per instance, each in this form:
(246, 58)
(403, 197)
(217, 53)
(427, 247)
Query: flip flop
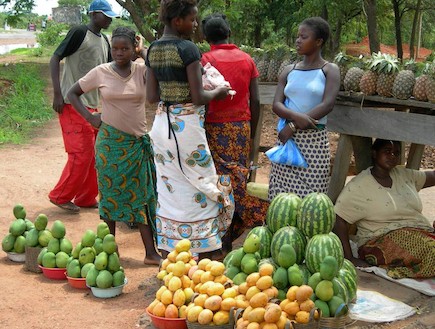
(69, 206)
(94, 206)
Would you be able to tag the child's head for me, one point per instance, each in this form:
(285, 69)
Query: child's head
(170, 9)
(215, 28)
(319, 26)
(124, 32)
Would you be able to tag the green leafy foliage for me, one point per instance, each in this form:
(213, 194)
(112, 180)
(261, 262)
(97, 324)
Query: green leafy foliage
(52, 35)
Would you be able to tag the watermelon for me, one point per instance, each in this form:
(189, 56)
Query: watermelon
(292, 236)
(282, 211)
(350, 282)
(316, 214)
(265, 239)
(348, 265)
(320, 246)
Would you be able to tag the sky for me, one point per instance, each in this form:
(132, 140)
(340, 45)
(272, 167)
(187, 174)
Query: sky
(43, 7)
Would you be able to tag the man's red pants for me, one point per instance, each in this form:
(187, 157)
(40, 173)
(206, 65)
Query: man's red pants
(78, 182)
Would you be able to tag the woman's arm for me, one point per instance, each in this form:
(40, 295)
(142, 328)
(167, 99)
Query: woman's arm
(74, 96)
(152, 86)
(199, 95)
(341, 228)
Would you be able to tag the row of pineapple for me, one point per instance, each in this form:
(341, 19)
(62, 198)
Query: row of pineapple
(383, 75)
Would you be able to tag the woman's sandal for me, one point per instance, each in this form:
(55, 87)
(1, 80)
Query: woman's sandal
(69, 206)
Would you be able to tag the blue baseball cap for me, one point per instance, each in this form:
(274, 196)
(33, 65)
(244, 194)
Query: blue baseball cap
(102, 6)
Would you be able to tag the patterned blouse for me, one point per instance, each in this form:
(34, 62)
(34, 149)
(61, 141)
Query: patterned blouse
(168, 58)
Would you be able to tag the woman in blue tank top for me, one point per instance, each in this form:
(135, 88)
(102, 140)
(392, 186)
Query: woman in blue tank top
(305, 94)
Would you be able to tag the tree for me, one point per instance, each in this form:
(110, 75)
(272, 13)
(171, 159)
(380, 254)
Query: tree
(372, 27)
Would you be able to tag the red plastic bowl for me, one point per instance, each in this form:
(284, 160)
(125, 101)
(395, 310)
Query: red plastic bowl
(167, 323)
(53, 273)
(79, 283)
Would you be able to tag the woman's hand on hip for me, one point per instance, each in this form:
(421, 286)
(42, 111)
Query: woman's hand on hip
(303, 121)
(95, 120)
(285, 134)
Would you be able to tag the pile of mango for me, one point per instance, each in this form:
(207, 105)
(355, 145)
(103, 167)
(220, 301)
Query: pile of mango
(56, 248)
(15, 240)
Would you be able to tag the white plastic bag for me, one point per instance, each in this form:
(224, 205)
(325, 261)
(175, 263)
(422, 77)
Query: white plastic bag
(212, 78)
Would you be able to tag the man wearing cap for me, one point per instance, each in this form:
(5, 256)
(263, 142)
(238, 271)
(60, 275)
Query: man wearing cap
(83, 48)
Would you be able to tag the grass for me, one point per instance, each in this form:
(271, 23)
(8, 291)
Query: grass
(24, 104)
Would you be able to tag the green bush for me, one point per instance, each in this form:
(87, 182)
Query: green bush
(52, 35)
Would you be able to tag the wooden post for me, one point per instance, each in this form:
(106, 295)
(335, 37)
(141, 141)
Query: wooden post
(340, 166)
(256, 144)
(415, 155)
(362, 152)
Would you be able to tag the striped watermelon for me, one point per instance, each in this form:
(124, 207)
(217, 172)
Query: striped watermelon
(320, 246)
(282, 211)
(265, 237)
(348, 265)
(292, 236)
(350, 282)
(316, 214)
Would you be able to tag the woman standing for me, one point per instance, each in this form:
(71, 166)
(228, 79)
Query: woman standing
(193, 201)
(305, 94)
(231, 123)
(124, 158)
(384, 204)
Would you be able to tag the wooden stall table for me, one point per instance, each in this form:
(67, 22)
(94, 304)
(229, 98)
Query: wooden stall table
(358, 119)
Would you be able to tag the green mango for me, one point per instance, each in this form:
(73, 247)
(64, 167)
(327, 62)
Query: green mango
(85, 269)
(58, 229)
(53, 245)
(240, 278)
(232, 271)
(281, 294)
(76, 251)
(29, 224)
(41, 222)
(102, 230)
(61, 259)
(73, 269)
(314, 280)
(118, 278)
(88, 238)
(49, 259)
(98, 245)
(251, 243)
(323, 307)
(40, 255)
(329, 268)
(104, 279)
(236, 260)
(280, 279)
(324, 290)
(44, 237)
(337, 306)
(87, 255)
(91, 277)
(66, 246)
(113, 263)
(295, 275)
(101, 261)
(18, 227)
(109, 244)
(8, 242)
(249, 263)
(286, 256)
(32, 238)
(70, 258)
(20, 244)
(19, 211)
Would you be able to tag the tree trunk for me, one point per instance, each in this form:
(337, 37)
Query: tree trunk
(414, 31)
(372, 26)
(397, 20)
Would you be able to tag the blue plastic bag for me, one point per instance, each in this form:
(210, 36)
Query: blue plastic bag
(288, 153)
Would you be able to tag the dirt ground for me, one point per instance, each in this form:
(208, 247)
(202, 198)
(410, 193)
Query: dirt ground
(29, 300)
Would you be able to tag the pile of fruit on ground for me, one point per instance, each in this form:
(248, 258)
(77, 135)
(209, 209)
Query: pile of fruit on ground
(292, 269)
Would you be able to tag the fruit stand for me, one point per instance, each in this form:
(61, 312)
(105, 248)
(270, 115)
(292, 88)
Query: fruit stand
(357, 117)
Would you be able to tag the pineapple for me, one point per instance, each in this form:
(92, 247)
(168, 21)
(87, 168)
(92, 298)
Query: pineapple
(352, 79)
(370, 77)
(419, 90)
(342, 60)
(263, 65)
(277, 55)
(403, 84)
(388, 68)
(430, 82)
(290, 57)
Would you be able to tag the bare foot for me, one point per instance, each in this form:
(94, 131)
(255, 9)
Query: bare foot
(155, 261)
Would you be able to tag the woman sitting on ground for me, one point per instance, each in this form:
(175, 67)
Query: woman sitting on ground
(384, 204)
